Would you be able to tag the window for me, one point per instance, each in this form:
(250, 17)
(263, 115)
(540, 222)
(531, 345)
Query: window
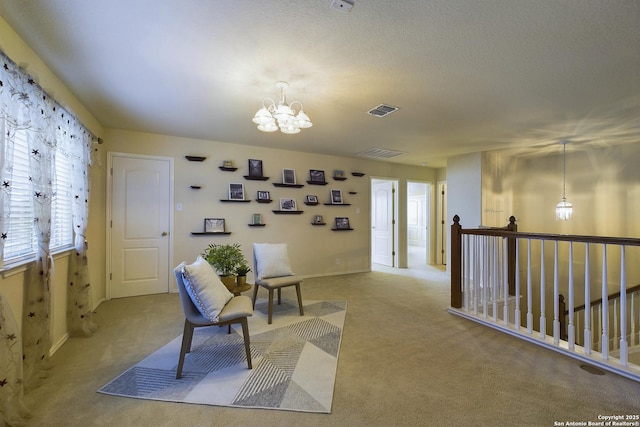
(21, 242)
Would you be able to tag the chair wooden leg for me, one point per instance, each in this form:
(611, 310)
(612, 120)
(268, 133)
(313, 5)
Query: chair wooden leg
(255, 294)
(270, 310)
(299, 299)
(279, 296)
(247, 344)
(187, 337)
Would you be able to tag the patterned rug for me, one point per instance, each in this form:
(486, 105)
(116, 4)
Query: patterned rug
(294, 363)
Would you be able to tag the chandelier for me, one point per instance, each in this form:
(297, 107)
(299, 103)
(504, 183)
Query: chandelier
(564, 209)
(272, 116)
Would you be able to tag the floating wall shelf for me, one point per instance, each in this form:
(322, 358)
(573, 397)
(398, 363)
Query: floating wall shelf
(280, 184)
(317, 182)
(256, 178)
(208, 233)
(195, 158)
(226, 169)
(357, 174)
(235, 201)
(287, 212)
(337, 204)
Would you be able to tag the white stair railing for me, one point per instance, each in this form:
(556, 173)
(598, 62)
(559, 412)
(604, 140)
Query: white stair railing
(602, 332)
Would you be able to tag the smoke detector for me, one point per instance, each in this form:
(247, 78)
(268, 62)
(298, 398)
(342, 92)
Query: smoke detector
(343, 5)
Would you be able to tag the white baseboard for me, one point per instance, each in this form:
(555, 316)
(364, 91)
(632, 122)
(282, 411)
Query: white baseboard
(59, 344)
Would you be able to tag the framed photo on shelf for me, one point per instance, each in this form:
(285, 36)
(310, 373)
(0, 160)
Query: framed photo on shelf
(227, 164)
(289, 176)
(317, 219)
(338, 173)
(257, 218)
(316, 175)
(288, 204)
(214, 225)
(264, 195)
(336, 197)
(255, 167)
(236, 191)
(342, 223)
(311, 199)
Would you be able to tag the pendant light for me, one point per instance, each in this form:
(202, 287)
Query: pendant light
(564, 209)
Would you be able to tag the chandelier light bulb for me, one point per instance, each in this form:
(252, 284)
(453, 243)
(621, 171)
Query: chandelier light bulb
(564, 209)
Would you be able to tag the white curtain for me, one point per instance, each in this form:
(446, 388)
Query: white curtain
(50, 131)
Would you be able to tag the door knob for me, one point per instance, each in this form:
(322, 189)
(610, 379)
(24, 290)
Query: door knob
(164, 233)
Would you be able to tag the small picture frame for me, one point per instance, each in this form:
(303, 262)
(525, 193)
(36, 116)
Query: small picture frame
(338, 173)
(257, 218)
(289, 176)
(255, 168)
(316, 176)
(227, 164)
(263, 195)
(214, 225)
(342, 223)
(236, 191)
(336, 197)
(312, 200)
(287, 204)
(317, 219)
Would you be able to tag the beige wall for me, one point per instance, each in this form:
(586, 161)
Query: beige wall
(314, 250)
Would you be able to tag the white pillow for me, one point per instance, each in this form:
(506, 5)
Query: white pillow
(272, 260)
(206, 290)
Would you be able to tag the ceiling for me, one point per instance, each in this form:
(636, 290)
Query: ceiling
(467, 75)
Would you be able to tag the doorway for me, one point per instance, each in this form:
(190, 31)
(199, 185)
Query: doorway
(418, 223)
(139, 224)
(441, 220)
(383, 222)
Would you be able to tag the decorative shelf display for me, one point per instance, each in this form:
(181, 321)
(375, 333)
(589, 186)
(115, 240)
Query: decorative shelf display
(195, 158)
(338, 175)
(341, 229)
(264, 200)
(342, 224)
(358, 174)
(256, 225)
(317, 182)
(311, 203)
(281, 184)
(256, 178)
(337, 204)
(318, 223)
(340, 178)
(353, 192)
(235, 200)
(227, 169)
(196, 187)
(281, 212)
(209, 233)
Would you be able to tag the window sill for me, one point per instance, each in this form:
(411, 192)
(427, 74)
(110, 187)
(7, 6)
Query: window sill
(18, 267)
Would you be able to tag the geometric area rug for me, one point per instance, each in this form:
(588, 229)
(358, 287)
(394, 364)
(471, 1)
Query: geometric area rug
(294, 362)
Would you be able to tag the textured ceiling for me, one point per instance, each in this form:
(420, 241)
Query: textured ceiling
(467, 75)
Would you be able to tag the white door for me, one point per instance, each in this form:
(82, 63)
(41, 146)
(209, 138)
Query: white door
(139, 225)
(418, 219)
(382, 228)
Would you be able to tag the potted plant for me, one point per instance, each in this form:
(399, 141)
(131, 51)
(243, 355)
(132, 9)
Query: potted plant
(225, 259)
(241, 272)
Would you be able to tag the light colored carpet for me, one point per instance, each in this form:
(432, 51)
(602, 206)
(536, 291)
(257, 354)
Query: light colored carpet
(294, 363)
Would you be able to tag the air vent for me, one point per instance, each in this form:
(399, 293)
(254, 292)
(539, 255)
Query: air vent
(380, 153)
(383, 110)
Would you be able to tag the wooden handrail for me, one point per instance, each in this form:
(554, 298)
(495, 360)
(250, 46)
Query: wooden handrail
(599, 300)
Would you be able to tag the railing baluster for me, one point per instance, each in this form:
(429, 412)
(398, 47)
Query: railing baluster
(496, 277)
(604, 342)
(529, 290)
(571, 327)
(623, 308)
(633, 320)
(505, 274)
(485, 275)
(466, 278)
(517, 313)
(476, 281)
(556, 301)
(587, 302)
(543, 305)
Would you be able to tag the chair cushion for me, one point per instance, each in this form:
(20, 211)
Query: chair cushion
(279, 282)
(237, 307)
(206, 290)
(272, 260)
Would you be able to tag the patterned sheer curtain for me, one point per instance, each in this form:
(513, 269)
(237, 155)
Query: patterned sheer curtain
(80, 316)
(49, 131)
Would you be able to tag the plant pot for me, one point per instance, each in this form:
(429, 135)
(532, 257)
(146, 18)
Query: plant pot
(229, 282)
(241, 280)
